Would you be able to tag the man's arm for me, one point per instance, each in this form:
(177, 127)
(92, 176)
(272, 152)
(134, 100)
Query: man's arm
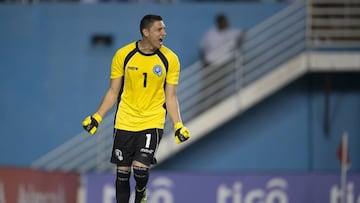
(172, 106)
(91, 123)
(110, 97)
(241, 38)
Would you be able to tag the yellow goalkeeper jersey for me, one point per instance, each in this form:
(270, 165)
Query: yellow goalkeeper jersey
(142, 98)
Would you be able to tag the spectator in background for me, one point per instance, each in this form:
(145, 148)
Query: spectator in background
(210, 46)
(216, 46)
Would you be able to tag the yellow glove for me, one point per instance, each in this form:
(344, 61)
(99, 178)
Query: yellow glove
(91, 123)
(181, 133)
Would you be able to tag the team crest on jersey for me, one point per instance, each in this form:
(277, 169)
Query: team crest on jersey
(157, 70)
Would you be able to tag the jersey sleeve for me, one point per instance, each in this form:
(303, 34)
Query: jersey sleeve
(117, 69)
(173, 73)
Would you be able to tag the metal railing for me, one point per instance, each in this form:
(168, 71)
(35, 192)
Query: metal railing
(335, 24)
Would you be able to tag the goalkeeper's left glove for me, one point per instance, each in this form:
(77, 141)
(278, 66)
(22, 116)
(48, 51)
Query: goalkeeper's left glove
(91, 123)
(181, 133)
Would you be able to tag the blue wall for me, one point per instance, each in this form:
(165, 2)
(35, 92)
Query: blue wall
(51, 77)
(284, 132)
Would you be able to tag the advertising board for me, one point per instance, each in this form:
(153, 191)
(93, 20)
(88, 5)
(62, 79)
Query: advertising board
(19, 185)
(171, 187)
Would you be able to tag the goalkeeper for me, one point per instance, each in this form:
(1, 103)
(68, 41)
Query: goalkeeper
(143, 80)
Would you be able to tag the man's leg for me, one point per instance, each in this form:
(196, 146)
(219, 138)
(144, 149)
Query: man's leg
(141, 176)
(122, 157)
(146, 145)
(122, 184)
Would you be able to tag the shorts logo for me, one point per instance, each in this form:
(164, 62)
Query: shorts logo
(157, 70)
(118, 154)
(147, 151)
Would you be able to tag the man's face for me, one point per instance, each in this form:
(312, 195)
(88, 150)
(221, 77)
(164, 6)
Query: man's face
(223, 24)
(156, 34)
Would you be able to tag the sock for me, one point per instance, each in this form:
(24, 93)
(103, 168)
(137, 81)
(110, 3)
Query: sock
(141, 176)
(122, 186)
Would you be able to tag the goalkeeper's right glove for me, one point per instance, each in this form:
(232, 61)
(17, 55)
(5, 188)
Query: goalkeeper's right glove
(181, 133)
(91, 123)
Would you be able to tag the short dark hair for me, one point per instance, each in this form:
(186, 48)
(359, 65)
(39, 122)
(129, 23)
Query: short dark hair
(148, 20)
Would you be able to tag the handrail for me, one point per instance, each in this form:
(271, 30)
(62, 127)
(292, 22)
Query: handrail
(57, 158)
(335, 25)
(277, 32)
(274, 19)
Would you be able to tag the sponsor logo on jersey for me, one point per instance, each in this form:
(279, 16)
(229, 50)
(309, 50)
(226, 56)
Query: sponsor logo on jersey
(157, 70)
(132, 68)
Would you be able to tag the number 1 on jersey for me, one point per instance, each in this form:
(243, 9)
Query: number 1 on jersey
(145, 79)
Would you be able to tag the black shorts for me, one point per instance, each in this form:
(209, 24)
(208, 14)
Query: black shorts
(140, 146)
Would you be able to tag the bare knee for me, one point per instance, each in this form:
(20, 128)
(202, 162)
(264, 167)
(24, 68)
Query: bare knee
(139, 164)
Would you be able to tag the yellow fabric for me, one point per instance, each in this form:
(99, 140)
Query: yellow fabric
(87, 122)
(183, 132)
(143, 96)
(177, 126)
(97, 117)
